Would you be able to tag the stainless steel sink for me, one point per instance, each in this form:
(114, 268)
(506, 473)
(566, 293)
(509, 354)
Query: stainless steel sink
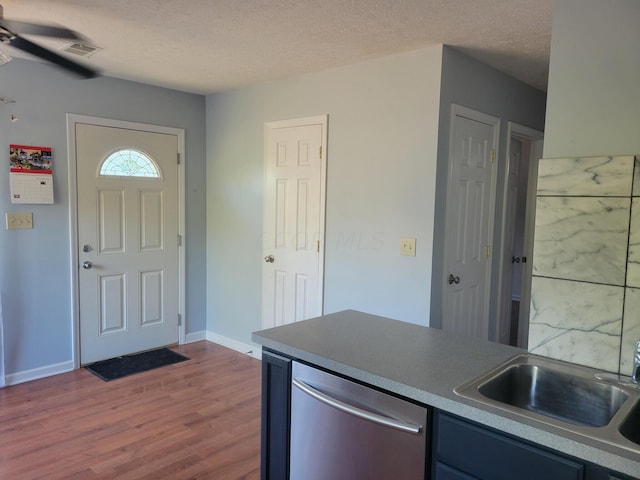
(562, 395)
(559, 395)
(630, 426)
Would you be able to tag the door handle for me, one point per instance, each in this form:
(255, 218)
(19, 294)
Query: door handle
(356, 411)
(269, 259)
(515, 259)
(87, 265)
(453, 279)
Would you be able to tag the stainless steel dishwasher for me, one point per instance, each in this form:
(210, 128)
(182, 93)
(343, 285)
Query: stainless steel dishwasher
(341, 430)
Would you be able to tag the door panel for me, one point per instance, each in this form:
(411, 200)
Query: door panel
(129, 287)
(151, 295)
(112, 303)
(111, 220)
(469, 224)
(151, 221)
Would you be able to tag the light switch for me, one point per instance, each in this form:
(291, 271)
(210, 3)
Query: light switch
(19, 220)
(408, 246)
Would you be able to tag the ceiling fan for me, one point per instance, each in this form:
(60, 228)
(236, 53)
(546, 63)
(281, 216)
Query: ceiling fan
(10, 34)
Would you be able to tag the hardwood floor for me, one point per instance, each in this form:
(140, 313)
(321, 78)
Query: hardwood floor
(199, 419)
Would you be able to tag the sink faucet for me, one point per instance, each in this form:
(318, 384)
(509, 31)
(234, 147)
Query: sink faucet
(635, 374)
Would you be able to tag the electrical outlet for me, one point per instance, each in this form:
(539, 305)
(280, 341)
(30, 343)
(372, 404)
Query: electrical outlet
(16, 221)
(408, 246)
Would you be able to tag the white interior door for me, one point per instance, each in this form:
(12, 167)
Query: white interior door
(293, 229)
(535, 154)
(469, 222)
(128, 240)
(513, 233)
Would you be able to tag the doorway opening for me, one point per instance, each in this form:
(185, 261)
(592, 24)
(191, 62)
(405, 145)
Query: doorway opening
(524, 149)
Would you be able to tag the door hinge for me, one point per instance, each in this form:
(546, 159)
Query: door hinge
(178, 154)
(179, 240)
(487, 251)
(179, 319)
(318, 246)
(320, 152)
(493, 155)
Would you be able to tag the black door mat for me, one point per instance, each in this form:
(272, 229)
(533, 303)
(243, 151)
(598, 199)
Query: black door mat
(124, 366)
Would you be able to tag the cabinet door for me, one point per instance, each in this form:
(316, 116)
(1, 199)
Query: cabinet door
(445, 472)
(595, 472)
(489, 455)
(276, 412)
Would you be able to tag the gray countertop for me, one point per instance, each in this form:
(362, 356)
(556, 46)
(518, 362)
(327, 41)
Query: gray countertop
(425, 365)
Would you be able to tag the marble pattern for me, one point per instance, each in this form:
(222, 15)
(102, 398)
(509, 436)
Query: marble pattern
(633, 258)
(582, 238)
(636, 177)
(576, 322)
(587, 215)
(592, 176)
(630, 329)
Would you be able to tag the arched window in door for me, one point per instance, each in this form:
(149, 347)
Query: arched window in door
(129, 163)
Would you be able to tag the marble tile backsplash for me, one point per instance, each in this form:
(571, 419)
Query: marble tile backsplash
(576, 321)
(582, 238)
(633, 262)
(586, 262)
(630, 328)
(587, 176)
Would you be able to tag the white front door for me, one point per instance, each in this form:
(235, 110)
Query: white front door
(469, 222)
(127, 187)
(293, 229)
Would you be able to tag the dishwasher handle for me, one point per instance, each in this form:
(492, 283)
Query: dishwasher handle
(355, 411)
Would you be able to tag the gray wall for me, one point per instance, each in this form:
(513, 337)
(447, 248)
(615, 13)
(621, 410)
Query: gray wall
(35, 282)
(382, 143)
(593, 96)
(472, 84)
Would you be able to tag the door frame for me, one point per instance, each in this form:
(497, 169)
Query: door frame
(72, 120)
(536, 139)
(301, 122)
(495, 123)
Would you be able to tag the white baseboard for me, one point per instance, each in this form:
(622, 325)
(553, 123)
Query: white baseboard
(64, 367)
(195, 337)
(37, 373)
(246, 348)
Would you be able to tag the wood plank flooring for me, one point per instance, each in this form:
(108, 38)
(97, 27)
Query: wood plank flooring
(199, 419)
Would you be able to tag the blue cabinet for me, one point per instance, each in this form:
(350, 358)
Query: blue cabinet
(474, 452)
(442, 471)
(463, 450)
(276, 414)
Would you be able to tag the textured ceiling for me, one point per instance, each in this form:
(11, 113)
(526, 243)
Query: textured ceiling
(204, 46)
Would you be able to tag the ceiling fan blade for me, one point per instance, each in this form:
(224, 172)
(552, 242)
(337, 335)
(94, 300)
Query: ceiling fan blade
(38, 29)
(38, 51)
